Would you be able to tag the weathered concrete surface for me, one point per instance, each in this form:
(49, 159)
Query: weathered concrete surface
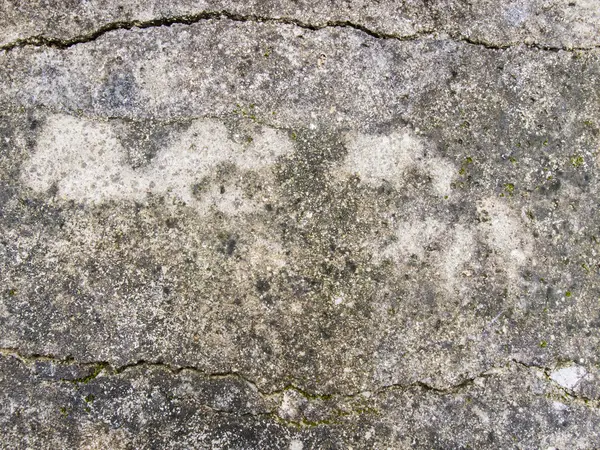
(299, 226)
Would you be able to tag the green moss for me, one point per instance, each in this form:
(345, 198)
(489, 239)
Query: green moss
(89, 398)
(577, 161)
(246, 112)
(463, 169)
(95, 372)
(308, 395)
(568, 294)
(509, 187)
(543, 344)
(12, 292)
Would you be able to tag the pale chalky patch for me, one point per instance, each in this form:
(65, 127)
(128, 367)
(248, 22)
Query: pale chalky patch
(504, 232)
(378, 158)
(568, 377)
(86, 162)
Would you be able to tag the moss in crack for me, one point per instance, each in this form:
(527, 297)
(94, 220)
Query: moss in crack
(306, 394)
(96, 369)
(302, 423)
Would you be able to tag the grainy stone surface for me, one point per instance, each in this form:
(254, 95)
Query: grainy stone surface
(292, 225)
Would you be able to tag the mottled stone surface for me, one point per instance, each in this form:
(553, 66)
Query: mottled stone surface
(292, 225)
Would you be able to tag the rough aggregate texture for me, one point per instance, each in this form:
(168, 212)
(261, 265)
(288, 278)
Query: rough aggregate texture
(299, 225)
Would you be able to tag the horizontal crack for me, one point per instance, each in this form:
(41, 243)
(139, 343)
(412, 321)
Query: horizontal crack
(40, 41)
(43, 41)
(97, 367)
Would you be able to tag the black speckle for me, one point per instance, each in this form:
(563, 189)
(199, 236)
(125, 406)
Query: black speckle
(222, 189)
(53, 190)
(230, 246)
(171, 222)
(351, 266)
(262, 285)
(267, 299)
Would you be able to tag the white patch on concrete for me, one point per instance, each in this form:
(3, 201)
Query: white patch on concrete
(375, 158)
(457, 254)
(378, 158)
(457, 245)
(568, 377)
(296, 444)
(82, 156)
(289, 407)
(504, 233)
(558, 406)
(87, 162)
(413, 237)
(263, 253)
(442, 172)
(481, 414)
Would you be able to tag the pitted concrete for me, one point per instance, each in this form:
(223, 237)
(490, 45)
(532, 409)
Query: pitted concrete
(277, 225)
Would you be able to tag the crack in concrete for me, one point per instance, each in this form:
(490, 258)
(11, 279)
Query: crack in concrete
(99, 367)
(43, 41)
(547, 374)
